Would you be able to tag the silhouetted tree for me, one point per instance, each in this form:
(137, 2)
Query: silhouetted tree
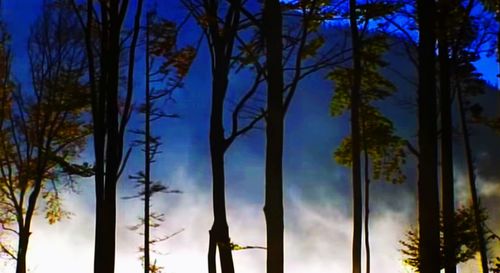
(221, 31)
(493, 7)
(379, 143)
(355, 99)
(428, 198)
(295, 49)
(285, 54)
(106, 41)
(9, 211)
(459, 41)
(272, 34)
(446, 145)
(161, 41)
(467, 243)
(467, 82)
(472, 180)
(43, 131)
(302, 43)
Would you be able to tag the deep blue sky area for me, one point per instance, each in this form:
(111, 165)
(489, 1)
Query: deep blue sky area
(187, 137)
(311, 134)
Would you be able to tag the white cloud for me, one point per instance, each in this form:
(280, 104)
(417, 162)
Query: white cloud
(317, 239)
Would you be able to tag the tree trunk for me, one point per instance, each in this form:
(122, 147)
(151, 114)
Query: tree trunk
(476, 205)
(113, 149)
(221, 48)
(109, 119)
(22, 250)
(428, 196)
(356, 140)
(147, 154)
(25, 225)
(105, 237)
(367, 208)
(98, 129)
(447, 182)
(273, 208)
(219, 234)
(212, 249)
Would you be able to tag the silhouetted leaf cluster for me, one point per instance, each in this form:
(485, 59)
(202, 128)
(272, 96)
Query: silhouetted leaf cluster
(467, 244)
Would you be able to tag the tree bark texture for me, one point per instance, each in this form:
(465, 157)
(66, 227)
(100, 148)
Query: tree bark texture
(273, 207)
(356, 139)
(108, 117)
(447, 180)
(476, 205)
(428, 196)
(221, 47)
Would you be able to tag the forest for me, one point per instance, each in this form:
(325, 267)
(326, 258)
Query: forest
(223, 136)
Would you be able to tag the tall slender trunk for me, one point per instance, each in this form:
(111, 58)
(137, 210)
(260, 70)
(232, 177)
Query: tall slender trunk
(109, 119)
(212, 251)
(367, 208)
(428, 196)
(467, 147)
(219, 234)
(22, 250)
(147, 154)
(105, 220)
(113, 150)
(221, 43)
(356, 140)
(25, 224)
(447, 182)
(273, 208)
(98, 135)
(476, 205)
